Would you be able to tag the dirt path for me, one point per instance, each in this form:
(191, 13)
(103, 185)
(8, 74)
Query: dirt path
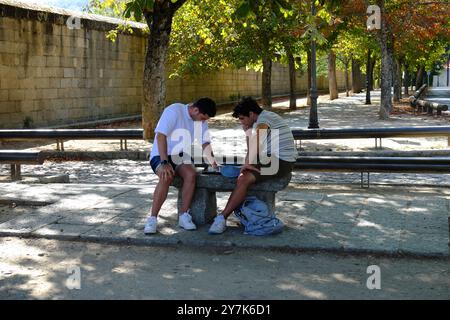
(48, 269)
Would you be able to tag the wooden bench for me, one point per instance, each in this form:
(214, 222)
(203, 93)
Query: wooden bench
(204, 203)
(17, 158)
(73, 134)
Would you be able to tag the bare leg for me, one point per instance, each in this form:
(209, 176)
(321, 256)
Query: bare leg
(188, 174)
(239, 193)
(160, 195)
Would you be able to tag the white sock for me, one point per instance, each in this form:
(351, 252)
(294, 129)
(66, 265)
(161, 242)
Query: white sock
(151, 218)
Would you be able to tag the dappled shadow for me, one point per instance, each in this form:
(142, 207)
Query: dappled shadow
(325, 218)
(39, 270)
(388, 178)
(108, 172)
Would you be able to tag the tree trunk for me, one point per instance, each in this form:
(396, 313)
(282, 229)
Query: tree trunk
(372, 69)
(356, 77)
(308, 89)
(413, 80)
(368, 76)
(347, 85)
(419, 77)
(385, 39)
(292, 80)
(154, 82)
(406, 81)
(397, 80)
(332, 80)
(266, 99)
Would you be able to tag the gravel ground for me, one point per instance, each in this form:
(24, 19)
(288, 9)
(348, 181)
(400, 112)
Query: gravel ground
(44, 269)
(228, 138)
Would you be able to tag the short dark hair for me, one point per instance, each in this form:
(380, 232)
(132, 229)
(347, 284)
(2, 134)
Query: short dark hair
(246, 105)
(206, 106)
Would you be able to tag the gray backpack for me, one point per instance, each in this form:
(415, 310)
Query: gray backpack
(257, 219)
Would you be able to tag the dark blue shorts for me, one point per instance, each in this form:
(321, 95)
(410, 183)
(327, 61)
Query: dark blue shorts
(156, 161)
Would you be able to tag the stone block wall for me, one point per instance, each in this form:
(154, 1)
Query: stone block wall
(53, 75)
(228, 85)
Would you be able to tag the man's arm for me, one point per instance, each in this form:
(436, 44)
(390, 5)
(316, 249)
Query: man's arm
(248, 135)
(161, 139)
(209, 154)
(256, 143)
(167, 170)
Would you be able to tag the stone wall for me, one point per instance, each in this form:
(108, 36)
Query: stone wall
(53, 75)
(227, 85)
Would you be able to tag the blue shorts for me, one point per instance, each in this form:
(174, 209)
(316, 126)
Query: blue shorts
(155, 162)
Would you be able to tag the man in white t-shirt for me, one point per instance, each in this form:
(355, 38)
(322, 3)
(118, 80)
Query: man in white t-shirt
(178, 128)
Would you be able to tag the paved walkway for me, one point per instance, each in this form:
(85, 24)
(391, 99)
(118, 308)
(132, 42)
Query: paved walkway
(440, 95)
(345, 112)
(384, 220)
(108, 201)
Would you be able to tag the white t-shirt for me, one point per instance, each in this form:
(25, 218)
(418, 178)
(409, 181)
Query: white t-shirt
(180, 129)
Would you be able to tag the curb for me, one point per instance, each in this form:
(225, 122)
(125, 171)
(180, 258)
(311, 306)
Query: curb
(155, 242)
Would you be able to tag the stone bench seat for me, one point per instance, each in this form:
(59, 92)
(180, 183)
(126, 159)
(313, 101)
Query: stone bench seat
(16, 158)
(204, 202)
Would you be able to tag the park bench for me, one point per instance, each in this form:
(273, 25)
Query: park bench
(73, 134)
(417, 95)
(204, 203)
(420, 92)
(430, 107)
(17, 158)
(420, 105)
(373, 164)
(377, 133)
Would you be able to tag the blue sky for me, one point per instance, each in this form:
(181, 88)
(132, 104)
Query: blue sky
(66, 4)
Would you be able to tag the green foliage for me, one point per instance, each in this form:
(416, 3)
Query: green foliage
(121, 28)
(28, 122)
(201, 37)
(209, 35)
(234, 97)
(115, 9)
(110, 8)
(354, 44)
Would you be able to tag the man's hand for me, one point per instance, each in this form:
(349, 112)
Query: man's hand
(166, 172)
(214, 164)
(207, 151)
(249, 167)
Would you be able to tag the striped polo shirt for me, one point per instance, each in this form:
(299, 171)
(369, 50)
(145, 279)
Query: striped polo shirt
(286, 146)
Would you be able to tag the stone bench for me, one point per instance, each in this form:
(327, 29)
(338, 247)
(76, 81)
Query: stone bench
(17, 158)
(204, 202)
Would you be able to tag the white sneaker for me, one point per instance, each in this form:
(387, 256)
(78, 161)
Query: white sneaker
(185, 222)
(219, 225)
(150, 226)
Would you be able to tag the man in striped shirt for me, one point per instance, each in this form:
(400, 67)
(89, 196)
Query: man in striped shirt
(271, 153)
